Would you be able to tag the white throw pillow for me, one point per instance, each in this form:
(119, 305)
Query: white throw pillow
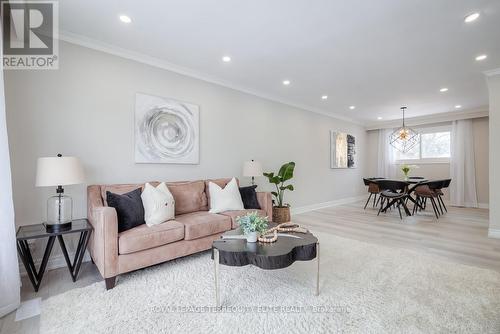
(226, 199)
(159, 205)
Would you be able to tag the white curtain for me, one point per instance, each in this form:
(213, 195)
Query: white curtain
(386, 163)
(462, 168)
(9, 270)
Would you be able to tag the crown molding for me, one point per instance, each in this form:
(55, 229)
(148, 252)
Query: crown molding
(493, 72)
(165, 65)
(432, 119)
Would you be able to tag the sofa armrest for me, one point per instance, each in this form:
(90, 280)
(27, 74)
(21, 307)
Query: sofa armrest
(266, 203)
(103, 244)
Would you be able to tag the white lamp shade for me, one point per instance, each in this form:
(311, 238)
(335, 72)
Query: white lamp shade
(252, 168)
(59, 171)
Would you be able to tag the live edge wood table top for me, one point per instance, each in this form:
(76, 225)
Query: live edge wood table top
(276, 255)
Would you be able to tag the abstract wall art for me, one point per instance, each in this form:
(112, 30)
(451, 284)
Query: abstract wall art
(342, 150)
(166, 130)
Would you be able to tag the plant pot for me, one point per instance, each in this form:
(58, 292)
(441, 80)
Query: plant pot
(252, 237)
(281, 214)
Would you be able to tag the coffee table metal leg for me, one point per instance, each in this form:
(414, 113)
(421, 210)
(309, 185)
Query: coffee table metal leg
(317, 270)
(216, 266)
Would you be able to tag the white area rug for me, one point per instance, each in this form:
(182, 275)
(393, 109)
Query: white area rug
(365, 288)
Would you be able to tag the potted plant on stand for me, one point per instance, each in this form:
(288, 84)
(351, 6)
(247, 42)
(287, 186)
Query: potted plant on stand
(252, 225)
(281, 211)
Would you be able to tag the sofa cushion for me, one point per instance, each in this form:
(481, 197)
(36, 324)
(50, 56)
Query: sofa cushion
(144, 237)
(221, 183)
(224, 199)
(233, 214)
(159, 204)
(189, 196)
(249, 197)
(129, 209)
(121, 189)
(201, 224)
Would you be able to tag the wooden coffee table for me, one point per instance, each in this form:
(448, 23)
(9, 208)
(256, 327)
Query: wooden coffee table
(280, 254)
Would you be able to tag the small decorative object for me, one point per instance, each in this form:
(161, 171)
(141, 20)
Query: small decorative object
(59, 171)
(271, 235)
(252, 225)
(404, 138)
(166, 130)
(281, 211)
(342, 150)
(406, 169)
(252, 169)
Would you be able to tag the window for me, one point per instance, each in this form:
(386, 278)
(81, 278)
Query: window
(433, 146)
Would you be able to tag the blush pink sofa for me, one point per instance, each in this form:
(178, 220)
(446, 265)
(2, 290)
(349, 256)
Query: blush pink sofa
(192, 230)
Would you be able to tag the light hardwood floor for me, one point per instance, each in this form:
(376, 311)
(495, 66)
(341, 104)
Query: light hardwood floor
(460, 236)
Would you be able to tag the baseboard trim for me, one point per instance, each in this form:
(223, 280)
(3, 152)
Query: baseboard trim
(55, 262)
(479, 205)
(317, 206)
(9, 308)
(494, 233)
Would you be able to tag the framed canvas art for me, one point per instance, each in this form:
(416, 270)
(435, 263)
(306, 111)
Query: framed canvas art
(166, 130)
(342, 150)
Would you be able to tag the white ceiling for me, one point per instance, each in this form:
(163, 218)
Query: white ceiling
(376, 55)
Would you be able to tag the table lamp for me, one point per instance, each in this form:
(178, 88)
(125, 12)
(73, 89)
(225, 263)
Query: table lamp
(57, 172)
(252, 169)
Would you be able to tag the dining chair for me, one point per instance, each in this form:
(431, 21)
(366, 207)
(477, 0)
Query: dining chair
(428, 190)
(373, 189)
(393, 192)
(444, 184)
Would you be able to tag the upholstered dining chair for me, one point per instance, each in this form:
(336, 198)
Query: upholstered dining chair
(393, 192)
(429, 190)
(439, 191)
(373, 190)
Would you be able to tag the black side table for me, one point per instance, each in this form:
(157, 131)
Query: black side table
(38, 231)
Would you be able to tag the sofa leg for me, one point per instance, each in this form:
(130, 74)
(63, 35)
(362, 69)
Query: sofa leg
(110, 282)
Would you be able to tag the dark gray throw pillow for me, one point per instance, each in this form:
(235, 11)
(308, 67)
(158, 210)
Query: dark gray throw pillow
(249, 197)
(128, 207)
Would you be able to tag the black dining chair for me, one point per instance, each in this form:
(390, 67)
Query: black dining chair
(373, 189)
(429, 190)
(393, 192)
(444, 184)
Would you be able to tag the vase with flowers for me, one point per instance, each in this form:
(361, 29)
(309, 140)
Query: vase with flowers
(406, 169)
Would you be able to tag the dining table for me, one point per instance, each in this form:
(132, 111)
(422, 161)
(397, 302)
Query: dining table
(413, 183)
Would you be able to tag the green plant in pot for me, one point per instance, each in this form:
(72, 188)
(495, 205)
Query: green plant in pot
(281, 211)
(252, 225)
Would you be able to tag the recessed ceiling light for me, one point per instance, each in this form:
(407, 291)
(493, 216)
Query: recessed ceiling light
(125, 19)
(471, 17)
(226, 59)
(481, 57)
(442, 90)
(352, 107)
(458, 106)
(379, 118)
(286, 82)
(324, 97)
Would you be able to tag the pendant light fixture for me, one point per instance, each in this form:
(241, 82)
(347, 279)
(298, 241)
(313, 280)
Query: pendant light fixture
(404, 138)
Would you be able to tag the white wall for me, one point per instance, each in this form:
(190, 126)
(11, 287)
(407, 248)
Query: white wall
(442, 170)
(86, 109)
(494, 93)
